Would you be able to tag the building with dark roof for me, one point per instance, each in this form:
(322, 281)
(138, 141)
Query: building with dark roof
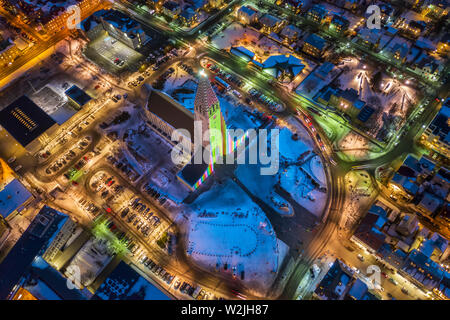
(395, 258)
(124, 283)
(188, 16)
(336, 283)
(296, 6)
(317, 13)
(118, 25)
(369, 233)
(169, 118)
(314, 45)
(348, 101)
(247, 15)
(77, 97)
(243, 53)
(166, 115)
(34, 241)
(284, 68)
(365, 113)
(43, 282)
(26, 122)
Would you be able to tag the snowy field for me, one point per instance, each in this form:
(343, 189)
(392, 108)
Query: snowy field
(354, 147)
(223, 217)
(301, 174)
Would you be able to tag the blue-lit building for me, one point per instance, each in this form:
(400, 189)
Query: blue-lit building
(284, 68)
(77, 97)
(243, 53)
(13, 198)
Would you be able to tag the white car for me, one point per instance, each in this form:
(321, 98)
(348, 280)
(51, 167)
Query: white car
(11, 160)
(18, 168)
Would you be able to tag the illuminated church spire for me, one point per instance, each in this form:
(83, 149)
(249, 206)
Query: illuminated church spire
(207, 110)
(205, 98)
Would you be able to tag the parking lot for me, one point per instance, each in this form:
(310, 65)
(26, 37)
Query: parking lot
(112, 54)
(59, 164)
(131, 209)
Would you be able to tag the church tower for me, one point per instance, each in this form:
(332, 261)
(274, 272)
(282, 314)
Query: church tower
(207, 111)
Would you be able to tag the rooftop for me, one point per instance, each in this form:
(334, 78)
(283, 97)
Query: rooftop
(316, 41)
(170, 111)
(47, 223)
(24, 120)
(124, 283)
(12, 197)
(78, 96)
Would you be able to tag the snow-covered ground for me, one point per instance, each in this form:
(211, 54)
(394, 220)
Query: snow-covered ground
(227, 227)
(301, 173)
(354, 147)
(394, 97)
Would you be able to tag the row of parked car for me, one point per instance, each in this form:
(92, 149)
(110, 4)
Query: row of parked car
(124, 167)
(228, 77)
(89, 206)
(154, 193)
(140, 216)
(158, 270)
(265, 100)
(186, 68)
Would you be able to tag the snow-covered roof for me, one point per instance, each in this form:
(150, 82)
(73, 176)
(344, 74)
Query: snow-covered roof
(316, 41)
(243, 52)
(120, 21)
(290, 31)
(440, 124)
(269, 20)
(170, 111)
(279, 64)
(430, 202)
(249, 11)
